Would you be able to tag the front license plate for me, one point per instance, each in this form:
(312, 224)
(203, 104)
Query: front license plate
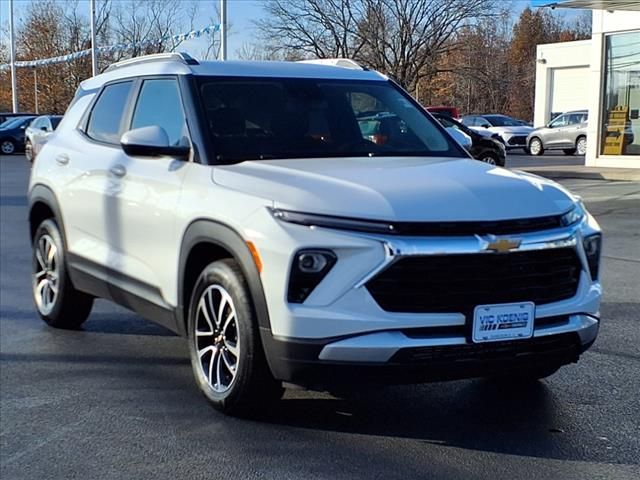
(505, 321)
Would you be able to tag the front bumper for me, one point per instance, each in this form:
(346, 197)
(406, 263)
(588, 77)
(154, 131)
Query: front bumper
(396, 357)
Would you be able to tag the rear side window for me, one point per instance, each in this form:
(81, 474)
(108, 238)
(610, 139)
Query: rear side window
(159, 104)
(106, 116)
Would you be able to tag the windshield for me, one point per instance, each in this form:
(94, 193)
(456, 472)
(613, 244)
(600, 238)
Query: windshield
(12, 122)
(267, 118)
(502, 121)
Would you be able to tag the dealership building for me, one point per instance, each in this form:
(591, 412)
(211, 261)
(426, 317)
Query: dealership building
(601, 75)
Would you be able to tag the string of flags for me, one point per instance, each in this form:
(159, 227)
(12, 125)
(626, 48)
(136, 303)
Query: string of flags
(114, 48)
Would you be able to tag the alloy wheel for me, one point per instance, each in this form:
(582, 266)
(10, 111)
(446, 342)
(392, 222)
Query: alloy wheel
(7, 147)
(490, 160)
(581, 147)
(28, 151)
(46, 275)
(535, 146)
(216, 337)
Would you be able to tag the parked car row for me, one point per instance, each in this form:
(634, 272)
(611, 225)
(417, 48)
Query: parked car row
(26, 133)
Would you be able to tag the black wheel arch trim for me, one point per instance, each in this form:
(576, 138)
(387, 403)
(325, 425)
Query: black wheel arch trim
(40, 193)
(224, 236)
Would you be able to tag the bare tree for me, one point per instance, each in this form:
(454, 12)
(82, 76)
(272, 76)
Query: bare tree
(399, 37)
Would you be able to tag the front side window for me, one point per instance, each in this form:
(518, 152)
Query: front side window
(502, 121)
(621, 114)
(55, 121)
(260, 118)
(106, 117)
(159, 104)
(559, 122)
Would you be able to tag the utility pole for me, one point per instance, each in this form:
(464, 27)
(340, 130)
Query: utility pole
(12, 40)
(223, 29)
(35, 88)
(94, 51)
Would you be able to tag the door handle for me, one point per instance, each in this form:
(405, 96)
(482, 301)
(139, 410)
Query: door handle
(118, 171)
(62, 159)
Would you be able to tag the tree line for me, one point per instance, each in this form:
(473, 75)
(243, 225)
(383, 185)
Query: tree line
(471, 54)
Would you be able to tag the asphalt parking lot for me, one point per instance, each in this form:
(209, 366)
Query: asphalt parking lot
(116, 400)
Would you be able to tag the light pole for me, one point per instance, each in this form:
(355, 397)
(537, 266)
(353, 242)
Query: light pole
(223, 29)
(12, 40)
(94, 51)
(35, 88)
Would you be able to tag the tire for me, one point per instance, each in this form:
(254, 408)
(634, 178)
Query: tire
(227, 358)
(28, 151)
(569, 151)
(535, 147)
(58, 303)
(490, 158)
(581, 146)
(7, 147)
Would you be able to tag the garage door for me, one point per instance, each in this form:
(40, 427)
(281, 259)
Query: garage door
(569, 89)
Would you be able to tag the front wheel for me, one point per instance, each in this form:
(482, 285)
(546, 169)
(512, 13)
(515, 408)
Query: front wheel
(581, 146)
(224, 344)
(28, 151)
(7, 147)
(59, 304)
(535, 147)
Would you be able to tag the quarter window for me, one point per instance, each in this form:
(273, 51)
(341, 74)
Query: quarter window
(159, 104)
(106, 116)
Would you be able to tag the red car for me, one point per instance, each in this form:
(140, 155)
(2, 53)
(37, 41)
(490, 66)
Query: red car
(449, 111)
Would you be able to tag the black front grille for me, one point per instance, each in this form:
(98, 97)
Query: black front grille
(563, 345)
(458, 283)
(495, 227)
(518, 140)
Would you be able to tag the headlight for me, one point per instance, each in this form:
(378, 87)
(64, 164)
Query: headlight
(307, 271)
(327, 221)
(592, 247)
(575, 215)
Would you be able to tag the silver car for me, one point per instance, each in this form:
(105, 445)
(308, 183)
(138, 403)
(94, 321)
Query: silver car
(38, 133)
(566, 132)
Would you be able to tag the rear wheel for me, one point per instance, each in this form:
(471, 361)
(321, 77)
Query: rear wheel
(59, 304)
(224, 344)
(581, 146)
(7, 147)
(569, 151)
(535, 146)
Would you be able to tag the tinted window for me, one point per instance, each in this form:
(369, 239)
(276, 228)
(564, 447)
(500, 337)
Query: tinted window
(159, 104)
(55, 121)
(254, 118)
(502, 121)
(106, 116)
(561, 121)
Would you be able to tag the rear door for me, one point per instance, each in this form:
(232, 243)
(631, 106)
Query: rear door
(89, 187)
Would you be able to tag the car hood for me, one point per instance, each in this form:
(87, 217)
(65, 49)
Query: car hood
(514, 130)
(397, 188)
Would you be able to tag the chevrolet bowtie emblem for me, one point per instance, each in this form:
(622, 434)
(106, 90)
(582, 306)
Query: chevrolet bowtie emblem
(502, 245)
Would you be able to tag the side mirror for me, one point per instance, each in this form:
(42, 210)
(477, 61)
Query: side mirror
(460, 137)
(151, 141)
(44, 129)
(486, 125)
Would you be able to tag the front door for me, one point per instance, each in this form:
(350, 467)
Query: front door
(143, 241)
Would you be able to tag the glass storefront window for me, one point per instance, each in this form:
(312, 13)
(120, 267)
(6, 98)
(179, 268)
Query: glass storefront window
(621, 114)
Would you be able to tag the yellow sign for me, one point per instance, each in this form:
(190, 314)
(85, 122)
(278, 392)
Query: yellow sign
(614, 136)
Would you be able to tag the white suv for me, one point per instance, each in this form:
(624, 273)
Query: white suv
(240, 205)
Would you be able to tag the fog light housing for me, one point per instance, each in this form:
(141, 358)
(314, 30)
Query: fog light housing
(592, 247)
(308, 269)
